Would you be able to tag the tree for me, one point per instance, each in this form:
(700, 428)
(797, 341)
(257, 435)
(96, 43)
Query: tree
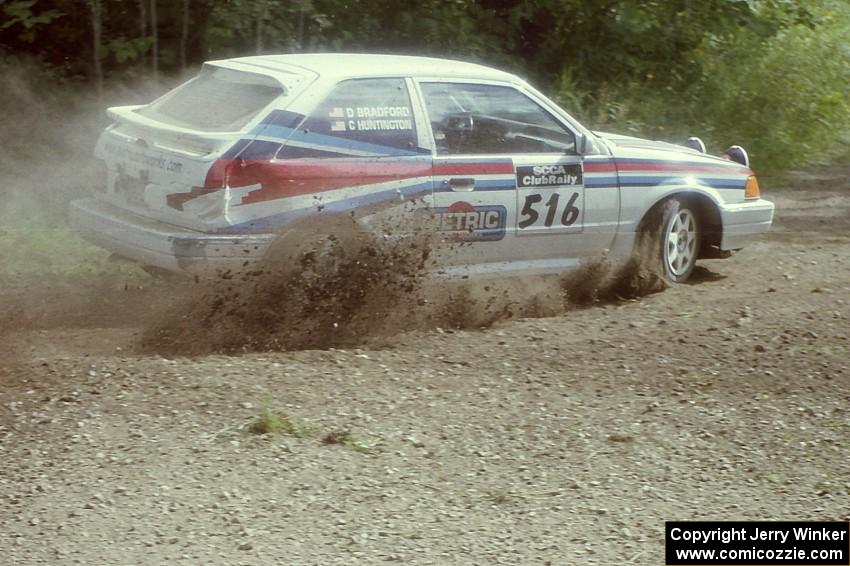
(155, 38)
(97, 23)
(262, 11)
(143, 25)
(184, 34)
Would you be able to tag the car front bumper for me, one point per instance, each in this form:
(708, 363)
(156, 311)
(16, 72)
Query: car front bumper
(744, 222)
(163, 245)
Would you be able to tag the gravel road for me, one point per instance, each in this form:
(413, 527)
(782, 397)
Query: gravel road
(566, 439)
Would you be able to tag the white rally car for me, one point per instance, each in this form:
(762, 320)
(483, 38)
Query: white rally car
(209, 174)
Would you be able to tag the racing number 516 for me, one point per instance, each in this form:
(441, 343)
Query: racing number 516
(530, 214)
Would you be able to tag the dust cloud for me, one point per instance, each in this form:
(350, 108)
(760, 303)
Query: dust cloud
(49, 276)
(49, 130)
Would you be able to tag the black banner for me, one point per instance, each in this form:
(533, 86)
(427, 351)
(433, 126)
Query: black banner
(760, 543)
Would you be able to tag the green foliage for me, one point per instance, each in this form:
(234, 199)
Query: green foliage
(127, 50)
(446, 27)
(20, 15)
(261, 26)
(42, 250)
(784, 97)
(788, 99)
(278, 422)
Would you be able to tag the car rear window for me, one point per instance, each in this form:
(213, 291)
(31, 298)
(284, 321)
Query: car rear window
(217, 100)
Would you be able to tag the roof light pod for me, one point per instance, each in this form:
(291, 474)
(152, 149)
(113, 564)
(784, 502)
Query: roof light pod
(737, 154)
(695, 143)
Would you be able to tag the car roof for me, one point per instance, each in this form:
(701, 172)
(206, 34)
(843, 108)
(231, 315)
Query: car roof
(351, 65)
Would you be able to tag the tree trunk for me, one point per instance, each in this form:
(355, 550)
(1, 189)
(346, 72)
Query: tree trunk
(261, 16)
(184, 35)
(96, 23)
(301, 29)
(143, 30)
(197, 46)
(155, 50)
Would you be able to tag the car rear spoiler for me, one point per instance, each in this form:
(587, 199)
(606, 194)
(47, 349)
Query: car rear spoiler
(169, 136)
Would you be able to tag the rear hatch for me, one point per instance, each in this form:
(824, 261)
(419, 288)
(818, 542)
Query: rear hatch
(166, 160)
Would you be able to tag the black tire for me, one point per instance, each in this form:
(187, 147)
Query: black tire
(679, 238)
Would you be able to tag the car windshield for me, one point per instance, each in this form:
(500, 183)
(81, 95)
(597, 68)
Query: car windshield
(217, 100)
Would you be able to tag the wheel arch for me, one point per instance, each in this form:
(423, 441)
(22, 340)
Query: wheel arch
(707, 210)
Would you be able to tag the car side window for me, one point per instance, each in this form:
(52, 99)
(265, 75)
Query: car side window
(361, 117)
(469, 118)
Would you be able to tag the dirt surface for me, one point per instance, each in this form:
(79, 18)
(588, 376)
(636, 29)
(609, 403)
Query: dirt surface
(565, 439)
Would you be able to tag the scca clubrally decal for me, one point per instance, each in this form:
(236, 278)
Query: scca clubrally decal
(566, 175)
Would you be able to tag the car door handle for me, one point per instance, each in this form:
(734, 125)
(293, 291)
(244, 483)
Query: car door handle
(461, 183)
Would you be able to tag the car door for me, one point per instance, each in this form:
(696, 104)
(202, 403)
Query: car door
(508, 182)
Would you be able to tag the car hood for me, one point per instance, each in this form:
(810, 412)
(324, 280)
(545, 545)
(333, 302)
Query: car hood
(619, 140)
(630, 147)
(643, 163)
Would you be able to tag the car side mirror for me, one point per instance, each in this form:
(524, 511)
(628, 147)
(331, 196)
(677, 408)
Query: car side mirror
(582, 144)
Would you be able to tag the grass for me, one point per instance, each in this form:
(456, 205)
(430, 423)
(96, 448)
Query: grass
(41, 249)
(270, 422)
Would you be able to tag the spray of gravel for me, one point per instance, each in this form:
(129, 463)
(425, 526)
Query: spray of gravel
(598, 281)
(342, 294)
(337, 293)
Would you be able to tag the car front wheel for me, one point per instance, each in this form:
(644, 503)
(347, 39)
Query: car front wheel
(680, 240)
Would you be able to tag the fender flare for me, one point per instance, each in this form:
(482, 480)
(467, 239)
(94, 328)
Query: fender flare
(707, 204)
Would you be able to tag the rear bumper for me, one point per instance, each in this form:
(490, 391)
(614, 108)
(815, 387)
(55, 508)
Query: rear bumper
(162, 245)
(744, 222)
